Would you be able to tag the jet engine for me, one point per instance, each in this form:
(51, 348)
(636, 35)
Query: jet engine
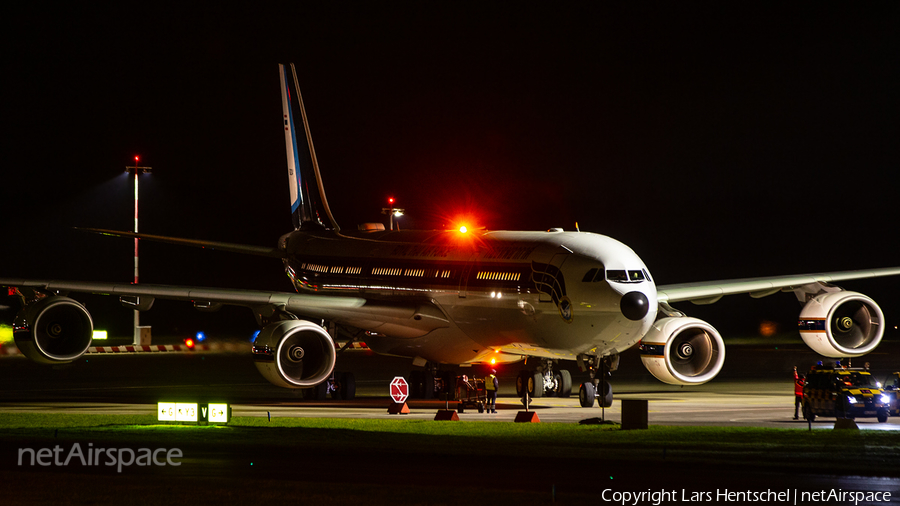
(294, 353)
(53, 330)
(841, 324)
(683, 351)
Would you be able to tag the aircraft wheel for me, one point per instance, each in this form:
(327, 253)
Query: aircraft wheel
(586, 395)
(449, 380)
(348, 386)
(606, 398)
(428, 385)
(522, 383)
(319, 392)
(536, 385)
(415, 384)
(565, 384)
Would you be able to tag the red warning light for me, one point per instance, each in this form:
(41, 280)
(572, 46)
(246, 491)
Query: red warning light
(189, 343)
(463, 229)
(136, 158)
(391, 200)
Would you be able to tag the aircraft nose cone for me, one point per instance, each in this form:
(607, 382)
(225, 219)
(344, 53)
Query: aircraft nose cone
(634, 305)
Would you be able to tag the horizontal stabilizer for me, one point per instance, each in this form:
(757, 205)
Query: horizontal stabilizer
(224, 246)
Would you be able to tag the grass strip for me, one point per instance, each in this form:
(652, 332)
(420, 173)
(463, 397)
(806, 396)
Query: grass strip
(860, 452)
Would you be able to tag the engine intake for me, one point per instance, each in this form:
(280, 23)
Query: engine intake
(683, 351)
(841, 324)
(53, 330)
(294, 354)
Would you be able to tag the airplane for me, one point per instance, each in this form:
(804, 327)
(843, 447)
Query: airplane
(456, 297)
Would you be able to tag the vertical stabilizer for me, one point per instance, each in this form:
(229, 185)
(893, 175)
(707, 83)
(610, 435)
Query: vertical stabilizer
(308, 203)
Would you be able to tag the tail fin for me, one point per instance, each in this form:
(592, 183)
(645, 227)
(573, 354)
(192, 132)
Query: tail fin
(308, 200)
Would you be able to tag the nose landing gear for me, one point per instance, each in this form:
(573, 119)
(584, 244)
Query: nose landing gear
(598, 387)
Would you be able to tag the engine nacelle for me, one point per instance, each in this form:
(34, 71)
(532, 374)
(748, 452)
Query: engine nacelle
(683, 351)
(294, 353)
(53, 330)
(841, 324)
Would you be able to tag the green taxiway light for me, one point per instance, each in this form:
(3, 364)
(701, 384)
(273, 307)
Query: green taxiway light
(5, 333)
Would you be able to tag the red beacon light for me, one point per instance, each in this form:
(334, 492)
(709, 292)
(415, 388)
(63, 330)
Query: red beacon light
(189, 342)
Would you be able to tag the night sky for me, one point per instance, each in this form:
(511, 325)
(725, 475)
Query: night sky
(717, 141)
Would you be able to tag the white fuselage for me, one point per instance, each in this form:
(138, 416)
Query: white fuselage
(551, 294)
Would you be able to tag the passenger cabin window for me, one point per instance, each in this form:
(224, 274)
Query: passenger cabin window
(625, 276)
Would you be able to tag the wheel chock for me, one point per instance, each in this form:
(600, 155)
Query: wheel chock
(527, 417)
(398, 409)
(446, 415)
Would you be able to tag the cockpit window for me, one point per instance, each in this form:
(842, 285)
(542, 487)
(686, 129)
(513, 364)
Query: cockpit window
(589, 276)
(620, 276)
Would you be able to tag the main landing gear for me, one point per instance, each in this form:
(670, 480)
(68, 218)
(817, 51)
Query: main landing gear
(598, 387)
(340, 386)
(544, 381)
(431, 383)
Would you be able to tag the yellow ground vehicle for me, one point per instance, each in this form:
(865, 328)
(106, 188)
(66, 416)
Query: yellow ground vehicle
(843, 393)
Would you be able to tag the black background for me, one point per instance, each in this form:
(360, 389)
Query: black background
(718, 141)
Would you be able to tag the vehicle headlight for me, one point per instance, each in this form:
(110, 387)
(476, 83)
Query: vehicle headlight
(885, 399)
(852, 399)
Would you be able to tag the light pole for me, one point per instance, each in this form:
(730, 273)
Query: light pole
(137, 171)
(392, 211)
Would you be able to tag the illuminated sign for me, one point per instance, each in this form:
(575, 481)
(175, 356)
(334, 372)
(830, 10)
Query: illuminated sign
(185, 412)
(192, 412)
(218, 413)
(99, 335)
(165, 411)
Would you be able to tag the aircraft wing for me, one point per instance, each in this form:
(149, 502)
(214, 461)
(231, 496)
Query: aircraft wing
(400, 319)
(707, 292)
(224, 246)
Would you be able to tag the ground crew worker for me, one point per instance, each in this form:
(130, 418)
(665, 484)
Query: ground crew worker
(799, 381)
(491, 385)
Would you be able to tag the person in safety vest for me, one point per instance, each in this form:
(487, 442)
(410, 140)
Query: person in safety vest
(491, 385)
(799, 381)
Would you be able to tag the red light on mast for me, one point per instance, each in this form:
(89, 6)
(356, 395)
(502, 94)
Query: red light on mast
(391, 200)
